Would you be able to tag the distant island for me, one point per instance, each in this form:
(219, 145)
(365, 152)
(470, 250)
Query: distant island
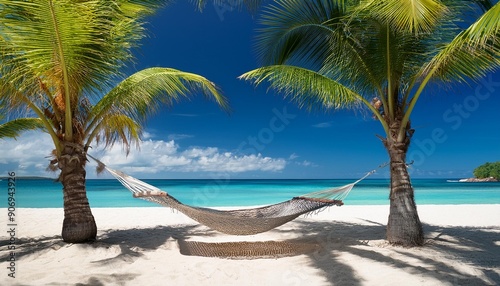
(488, 172)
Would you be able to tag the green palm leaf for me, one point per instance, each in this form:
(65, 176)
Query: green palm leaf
(318, 35)
(414, 16)
(14, 128)
(144, 92)
(472, 53)
(296, 31)
(86, 40)
(307, 88)
(65, 48)
(117, 127)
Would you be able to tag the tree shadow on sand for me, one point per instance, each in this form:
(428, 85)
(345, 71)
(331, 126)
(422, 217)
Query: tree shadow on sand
(128, 244)
(127, 240)
(477, 248)
(29, 246)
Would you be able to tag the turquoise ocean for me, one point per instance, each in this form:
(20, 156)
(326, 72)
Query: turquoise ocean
(227, 193)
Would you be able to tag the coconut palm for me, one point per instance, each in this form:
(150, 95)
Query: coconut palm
(379, 55)
(60, 62)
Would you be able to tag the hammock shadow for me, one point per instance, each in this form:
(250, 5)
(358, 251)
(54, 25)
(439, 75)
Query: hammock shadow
(133, 242)
(477, 248)
(297, 238)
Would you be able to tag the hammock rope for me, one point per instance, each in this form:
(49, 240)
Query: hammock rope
(241, 221)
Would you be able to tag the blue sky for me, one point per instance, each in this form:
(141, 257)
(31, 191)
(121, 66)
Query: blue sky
(265, 136)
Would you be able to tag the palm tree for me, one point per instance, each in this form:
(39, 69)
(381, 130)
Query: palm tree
(379, 55)
(60, 62)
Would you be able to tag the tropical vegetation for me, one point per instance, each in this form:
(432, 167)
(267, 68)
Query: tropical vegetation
(60, 71)
(14, 128)
(381, 56)
(488, 170)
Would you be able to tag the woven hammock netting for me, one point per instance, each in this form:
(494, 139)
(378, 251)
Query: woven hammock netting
(241, 221)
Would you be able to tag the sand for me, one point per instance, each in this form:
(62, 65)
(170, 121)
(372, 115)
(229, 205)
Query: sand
(140, 246)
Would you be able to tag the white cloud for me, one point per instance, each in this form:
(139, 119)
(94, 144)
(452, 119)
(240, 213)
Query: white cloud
(30, 155)
(147, 135)
(195, 152)
(160, 156)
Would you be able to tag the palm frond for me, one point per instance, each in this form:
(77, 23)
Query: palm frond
(339, 42)
(295, 31)
(89, 40)
(117, 127)
(14, 128)
(54, 52)
(358, 56)
(413, 16)
(307, 88)
(144, 92)
(472, 53)
(8, 95)
(319, 35)
(487, 28)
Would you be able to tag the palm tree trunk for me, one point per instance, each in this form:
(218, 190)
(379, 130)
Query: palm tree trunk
(79, 224)
(404, 226)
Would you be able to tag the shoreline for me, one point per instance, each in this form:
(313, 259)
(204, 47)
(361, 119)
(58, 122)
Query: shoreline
(143, 245)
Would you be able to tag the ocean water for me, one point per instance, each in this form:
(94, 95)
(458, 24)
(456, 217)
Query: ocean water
(214, 193)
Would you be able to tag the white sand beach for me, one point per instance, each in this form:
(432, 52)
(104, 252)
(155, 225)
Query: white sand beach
(140, 246)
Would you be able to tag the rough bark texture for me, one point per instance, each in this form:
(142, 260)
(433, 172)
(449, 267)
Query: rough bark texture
(79, 224)
(404, 226)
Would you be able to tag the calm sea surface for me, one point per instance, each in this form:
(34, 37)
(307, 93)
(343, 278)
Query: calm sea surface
(210, 193)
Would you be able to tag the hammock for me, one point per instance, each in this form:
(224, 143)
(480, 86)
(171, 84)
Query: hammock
(242, 221)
